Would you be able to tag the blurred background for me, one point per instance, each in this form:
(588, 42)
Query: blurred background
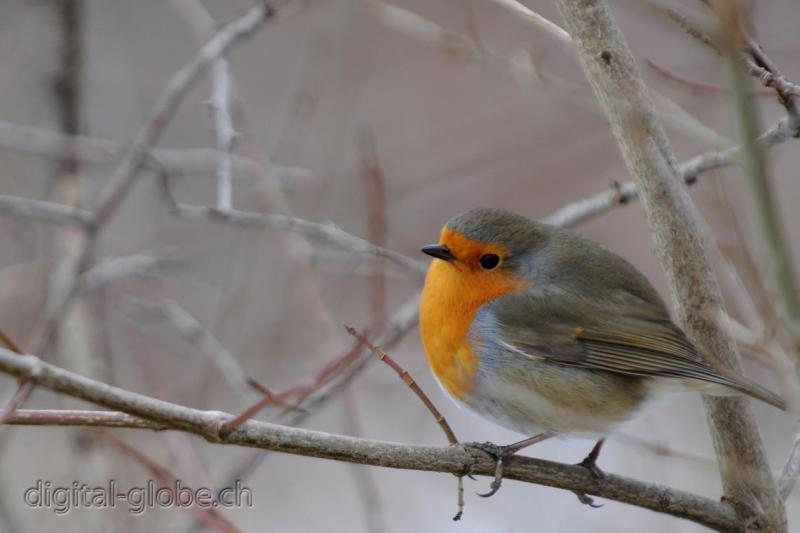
(383, 120)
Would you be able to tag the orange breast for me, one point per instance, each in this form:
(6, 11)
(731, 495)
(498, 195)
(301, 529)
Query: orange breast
(450, 298)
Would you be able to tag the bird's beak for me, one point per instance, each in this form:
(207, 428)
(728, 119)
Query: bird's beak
(439, 251)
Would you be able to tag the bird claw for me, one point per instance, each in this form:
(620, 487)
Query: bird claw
(590, 463)
(587, 500)
(495, 450)
(498, 453)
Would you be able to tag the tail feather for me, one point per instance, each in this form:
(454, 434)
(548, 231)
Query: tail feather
(729, 386)
(751, 388)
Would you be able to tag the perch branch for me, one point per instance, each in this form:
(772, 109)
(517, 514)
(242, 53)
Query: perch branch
(451, 459)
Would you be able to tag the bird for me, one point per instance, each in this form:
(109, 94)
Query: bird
(549, 333)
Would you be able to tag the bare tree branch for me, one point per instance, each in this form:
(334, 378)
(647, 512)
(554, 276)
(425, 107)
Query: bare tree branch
(136, 157)
(611, 70)
(118, 268)
(226, 135)
(791, 470)
(44, 211)
(93, 150)
(452, 459)
(165, 108)
(579, 211)
(324, 232)
(80, 417)
(226, 362)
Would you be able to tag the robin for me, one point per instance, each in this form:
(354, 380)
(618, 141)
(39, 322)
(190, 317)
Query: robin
(547, 333)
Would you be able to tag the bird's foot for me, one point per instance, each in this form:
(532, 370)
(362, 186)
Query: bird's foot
(499, 454)
(590, 463)
(587, 500)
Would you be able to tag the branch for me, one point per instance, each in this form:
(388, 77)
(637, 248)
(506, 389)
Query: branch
(791, 470)
(193, 331)
(45, 211)
(115, 269)
(324, 232)
(452, 459)
(579, 211)
(136, 157)
(610, 67)
(168, 103)
(226, 135)
(94, 150)
(412, 384)
(762, 67)
(80, 417)
(208, 516)
(767, 215)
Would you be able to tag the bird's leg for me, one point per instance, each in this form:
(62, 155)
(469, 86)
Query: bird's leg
(590, 463)
(500, 454)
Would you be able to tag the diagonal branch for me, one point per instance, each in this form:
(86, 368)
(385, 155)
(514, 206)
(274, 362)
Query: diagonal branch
(177, 88)
(324, 232)
(45, 211)
(579, 211)
(450, 459)
(94, 150)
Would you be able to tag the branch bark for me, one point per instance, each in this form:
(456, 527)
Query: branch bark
(579, 211)
(139, 411)
(609, 65)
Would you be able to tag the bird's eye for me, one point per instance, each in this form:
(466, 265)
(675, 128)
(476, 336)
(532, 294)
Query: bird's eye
(489, 261)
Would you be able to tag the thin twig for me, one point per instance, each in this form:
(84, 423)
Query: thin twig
(226, 135)
(209, 516)
(412, 384)
(579, 211)
(270, 398)
(114, 269)
(702, 86)
(24, 385)
(20, 395)
(195, 333)
(325, 232)
(331, 380)
(80, 417)
(43, 211)
(767, 216)
(661, 450)
(137, 156)
(177, 88)
(406, 377)
(97, 151)
(762, 67)
(758, 64)
(790, 471)
(300, 391)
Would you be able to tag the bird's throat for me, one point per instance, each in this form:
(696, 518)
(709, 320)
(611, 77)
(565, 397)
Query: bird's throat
(450, 299)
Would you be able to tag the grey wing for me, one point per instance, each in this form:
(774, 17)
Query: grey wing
(640, 339)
